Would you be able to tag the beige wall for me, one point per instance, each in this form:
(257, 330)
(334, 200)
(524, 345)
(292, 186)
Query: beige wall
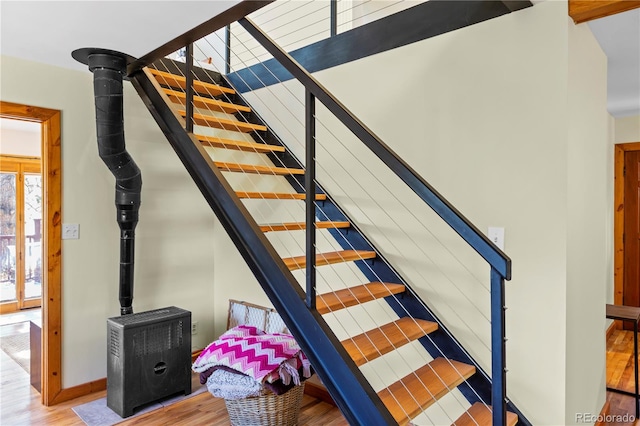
(174, 237)
(589, 223)
(627, 129)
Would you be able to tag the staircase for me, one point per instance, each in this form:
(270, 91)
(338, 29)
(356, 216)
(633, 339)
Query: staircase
(404, 398)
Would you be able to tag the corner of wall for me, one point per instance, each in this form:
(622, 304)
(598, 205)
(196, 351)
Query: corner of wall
(589, 210)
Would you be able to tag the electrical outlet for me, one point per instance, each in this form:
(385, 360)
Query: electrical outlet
(70, 231)
(194, 327)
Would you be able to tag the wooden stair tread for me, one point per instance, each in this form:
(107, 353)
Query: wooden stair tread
(407, 397)
(336, 300)
(297, 226)
(277, 195)
(480, 415)
(328, 258)
(178, 81)
(238, 145)
(379, 341)
(223, 123)
(251, 168)
(205, 103)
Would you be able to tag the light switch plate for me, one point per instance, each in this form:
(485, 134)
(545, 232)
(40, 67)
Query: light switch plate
(70, 231)
(496, 235)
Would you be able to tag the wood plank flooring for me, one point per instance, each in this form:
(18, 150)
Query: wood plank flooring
(620, 375)
(20, 406)
(20, 403)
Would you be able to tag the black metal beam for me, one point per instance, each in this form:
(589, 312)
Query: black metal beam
(227, 49)
(310, 192)
(515, 5)
(352, 392)
(458, 222)
(230, 15)
(333, 18)
(189, 88)
(498, 350)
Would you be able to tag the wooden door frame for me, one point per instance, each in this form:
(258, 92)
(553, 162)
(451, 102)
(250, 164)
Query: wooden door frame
(49, 120)
(618, 219)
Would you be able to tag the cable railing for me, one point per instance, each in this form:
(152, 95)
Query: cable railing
(334, 160)
(381, 183)
(278, 245)
(295, 24)
(353, 320)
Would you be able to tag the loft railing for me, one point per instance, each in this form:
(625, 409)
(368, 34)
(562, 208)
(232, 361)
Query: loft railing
(295, 24)
(352, 392)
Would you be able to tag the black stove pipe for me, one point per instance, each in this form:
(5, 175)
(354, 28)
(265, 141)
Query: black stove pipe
(108, 69)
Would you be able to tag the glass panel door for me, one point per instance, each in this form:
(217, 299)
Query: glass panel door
(20, 233)
(32, 236)
(8, 238)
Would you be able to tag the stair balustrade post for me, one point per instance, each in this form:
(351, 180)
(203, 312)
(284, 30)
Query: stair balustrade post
(333, 17)
(227, 49)
(498, 350)
(189, 88)
(310, 190)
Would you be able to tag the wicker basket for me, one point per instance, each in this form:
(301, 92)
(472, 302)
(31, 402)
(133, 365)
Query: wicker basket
(268, 409)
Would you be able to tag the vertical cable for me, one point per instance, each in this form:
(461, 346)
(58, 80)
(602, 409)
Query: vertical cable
(310, 189)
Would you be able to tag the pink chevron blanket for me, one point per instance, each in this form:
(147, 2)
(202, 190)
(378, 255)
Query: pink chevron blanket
(250, 351)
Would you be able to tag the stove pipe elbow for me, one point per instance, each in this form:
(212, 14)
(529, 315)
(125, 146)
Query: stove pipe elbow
(108, 69)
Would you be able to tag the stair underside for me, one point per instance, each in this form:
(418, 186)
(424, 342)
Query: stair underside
(480, 415)
(210, 104)
(298, 226)
(415, 392)
(238, 145)
(180, 82)
(379, 341)
(223, 123)
(352, 296)
(256, 169)
(277, 196)
(410, 395)
(300, 262)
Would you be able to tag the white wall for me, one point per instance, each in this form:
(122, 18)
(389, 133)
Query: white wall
(627, 129)
(175, 234)
(488, 116)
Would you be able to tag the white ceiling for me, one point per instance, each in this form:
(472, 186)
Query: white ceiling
(48, 31)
